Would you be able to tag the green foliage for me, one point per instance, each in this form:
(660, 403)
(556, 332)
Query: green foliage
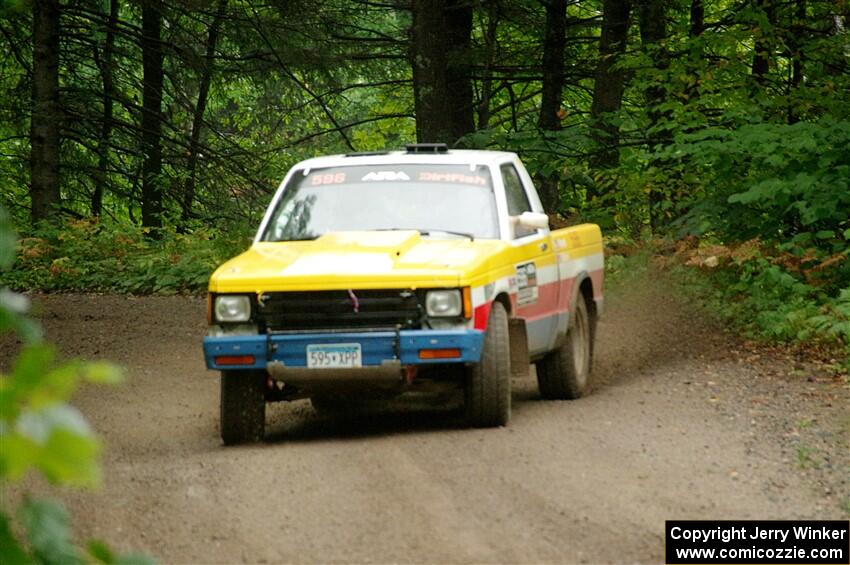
(766, 301)
(834, 321)
(778, 182)
(789, 187)
(47, 526)
(41, 433)
(782, 306)
(89, 256)
(13, 307)
(738, 158)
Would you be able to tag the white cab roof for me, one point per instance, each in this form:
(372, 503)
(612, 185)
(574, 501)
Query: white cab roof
(451, 157)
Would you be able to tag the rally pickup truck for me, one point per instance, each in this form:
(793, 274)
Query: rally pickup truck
(374, 274)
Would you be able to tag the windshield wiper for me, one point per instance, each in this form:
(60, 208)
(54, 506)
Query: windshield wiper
(429, 232)
(459, 233)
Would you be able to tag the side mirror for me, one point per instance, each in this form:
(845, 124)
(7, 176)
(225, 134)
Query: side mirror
(532, 220)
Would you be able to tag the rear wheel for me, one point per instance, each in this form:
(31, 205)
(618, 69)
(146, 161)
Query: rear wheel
(243, 406)
(488, 383)
(565, 372)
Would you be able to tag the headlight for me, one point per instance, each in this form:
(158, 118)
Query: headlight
(444, 303)
(232, 308)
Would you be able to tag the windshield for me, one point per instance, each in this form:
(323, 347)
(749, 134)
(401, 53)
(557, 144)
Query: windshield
(437, 200)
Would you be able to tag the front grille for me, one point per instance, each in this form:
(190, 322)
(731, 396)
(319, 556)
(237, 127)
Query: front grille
(337, 309)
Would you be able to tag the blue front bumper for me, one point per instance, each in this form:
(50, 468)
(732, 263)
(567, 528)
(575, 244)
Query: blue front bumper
(376, 347)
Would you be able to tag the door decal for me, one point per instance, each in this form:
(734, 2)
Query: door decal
(526, 280)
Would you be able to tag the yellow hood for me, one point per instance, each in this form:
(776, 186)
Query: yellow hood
(350, 260)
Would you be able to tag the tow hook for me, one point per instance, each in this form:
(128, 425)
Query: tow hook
(410, 373)
(277, 391)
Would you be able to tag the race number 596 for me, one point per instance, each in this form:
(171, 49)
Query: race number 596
(328, 178)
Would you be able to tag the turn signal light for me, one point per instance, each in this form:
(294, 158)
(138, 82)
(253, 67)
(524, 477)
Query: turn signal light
(467, 302)
(234, 360)
(439, 353)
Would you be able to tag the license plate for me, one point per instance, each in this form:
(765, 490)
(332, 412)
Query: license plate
(334, 355)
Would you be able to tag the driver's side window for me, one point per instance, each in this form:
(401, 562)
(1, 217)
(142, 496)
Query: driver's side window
(516, 197)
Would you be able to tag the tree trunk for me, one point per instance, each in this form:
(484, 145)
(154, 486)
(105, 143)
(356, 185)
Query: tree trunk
(553, 84)
(428, 59)
(105, 63)
(795, 42)
(695, 52)
(198, 115)
(609, 84)
(489, 59)
(152, 56)
(458, 14)
(697, 19)
(46, 111)
(837, 63)
(653, 35)
(442, 87)
(761, 47)
(513, 105)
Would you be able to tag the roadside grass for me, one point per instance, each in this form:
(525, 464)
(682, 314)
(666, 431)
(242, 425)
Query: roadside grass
(624, 263)
(804, 424)
(806, 458)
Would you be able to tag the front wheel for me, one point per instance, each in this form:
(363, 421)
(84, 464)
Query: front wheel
(243, 406)
(488, 384)
(565, 372)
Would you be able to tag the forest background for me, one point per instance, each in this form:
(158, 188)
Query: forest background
(140, 141)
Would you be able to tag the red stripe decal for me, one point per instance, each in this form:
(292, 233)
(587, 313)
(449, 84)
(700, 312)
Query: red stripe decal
(480, 316)
(547, 301)
(552, 298)
(566, 294)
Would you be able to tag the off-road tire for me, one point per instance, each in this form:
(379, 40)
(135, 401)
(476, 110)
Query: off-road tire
(243, 406)
(488, 383)
(564, 374)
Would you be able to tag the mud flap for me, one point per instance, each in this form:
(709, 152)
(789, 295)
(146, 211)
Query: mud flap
(519, 348)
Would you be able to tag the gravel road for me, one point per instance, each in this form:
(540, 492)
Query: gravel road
(684, 423)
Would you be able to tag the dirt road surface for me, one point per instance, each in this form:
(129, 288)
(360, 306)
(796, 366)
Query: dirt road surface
(684, 423)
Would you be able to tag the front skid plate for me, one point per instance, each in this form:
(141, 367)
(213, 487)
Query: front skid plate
(388, 371)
